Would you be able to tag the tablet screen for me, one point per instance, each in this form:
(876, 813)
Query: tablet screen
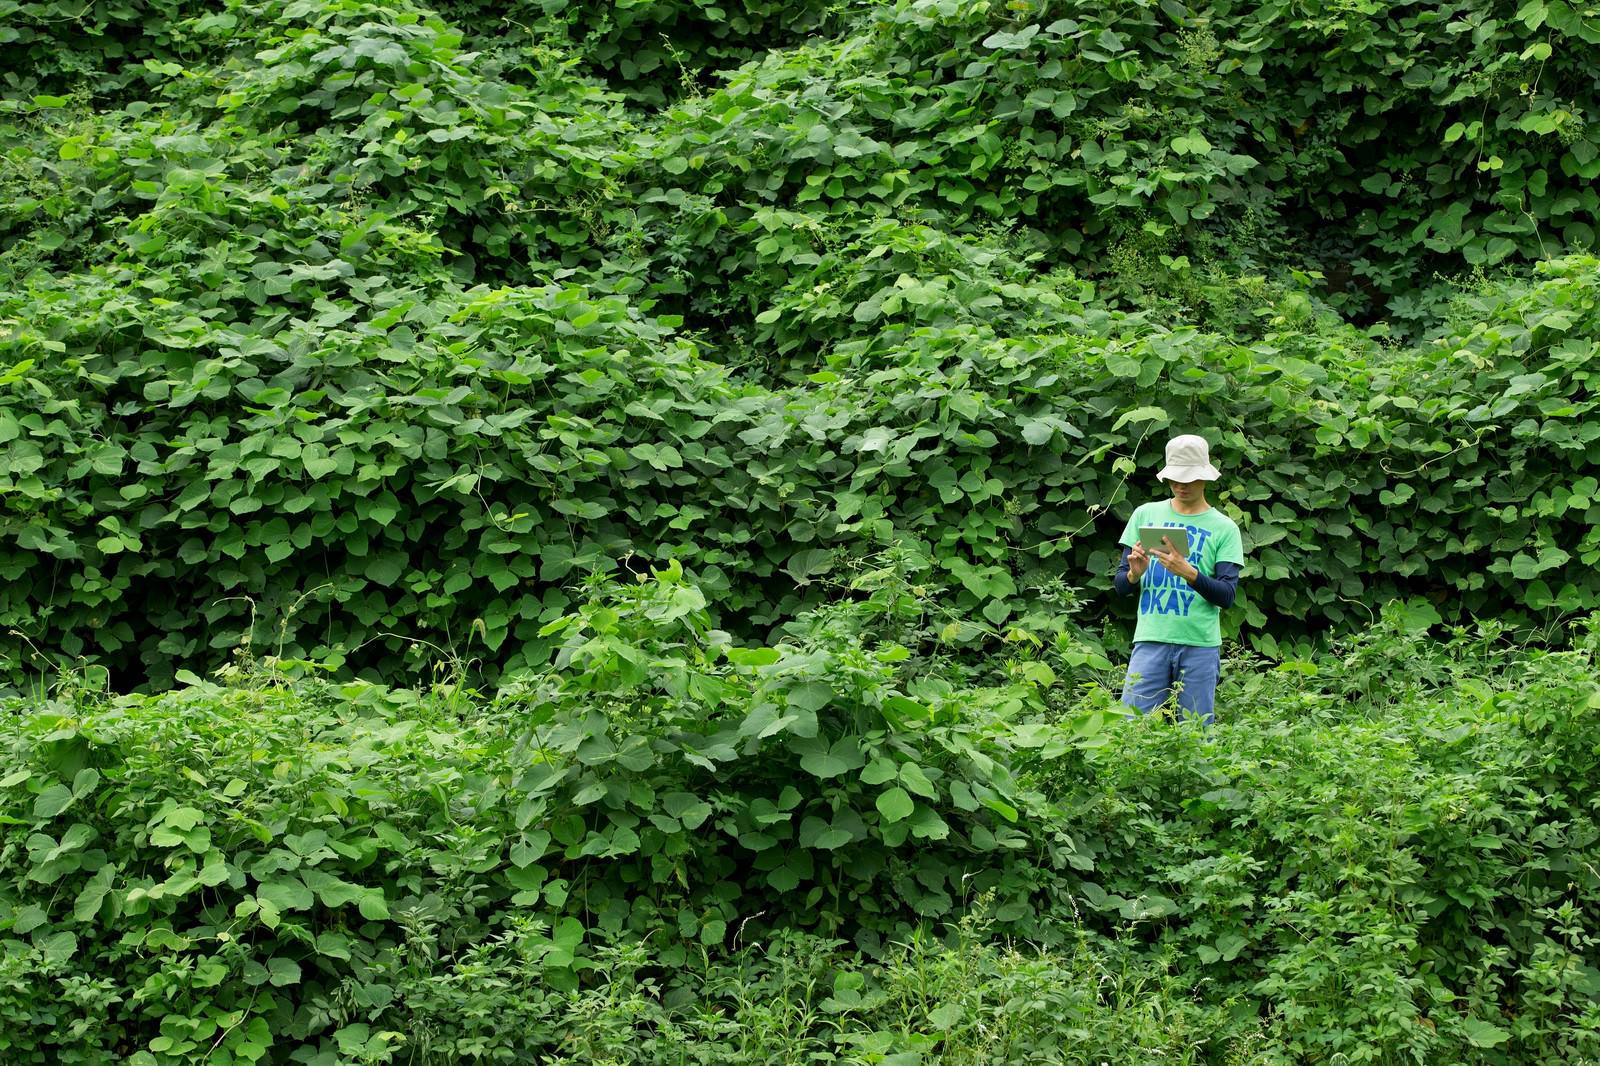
(1150, 537)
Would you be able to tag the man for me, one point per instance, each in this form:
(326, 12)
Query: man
(1177, 644)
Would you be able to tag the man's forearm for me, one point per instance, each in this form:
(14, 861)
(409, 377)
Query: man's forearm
(1221, 589)
(1125, 583)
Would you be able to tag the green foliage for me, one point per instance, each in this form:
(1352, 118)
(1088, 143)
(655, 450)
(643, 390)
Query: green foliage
(359, 334)
(1347, 855)
(264, 869)
(808, 779)
(339, 339)
(327, 332)
(665, 839)
(1499, 158)
(99, 51)
(651, 50)
(445, 469)
(1377, 142)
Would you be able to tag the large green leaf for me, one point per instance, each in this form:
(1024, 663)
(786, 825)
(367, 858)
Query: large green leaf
(895, 805)
(831, 760)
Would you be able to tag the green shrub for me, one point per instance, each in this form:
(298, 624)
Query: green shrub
(1354, 862)
(337, 327)
(1384, 848)
(254, 861)
(446, 470)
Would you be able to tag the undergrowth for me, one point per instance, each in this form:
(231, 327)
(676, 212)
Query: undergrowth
(667, 847)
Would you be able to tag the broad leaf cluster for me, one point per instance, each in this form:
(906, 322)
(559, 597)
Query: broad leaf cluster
(331, 327)
(639, 841)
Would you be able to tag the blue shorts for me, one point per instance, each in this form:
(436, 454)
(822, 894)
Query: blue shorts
(1160, 672)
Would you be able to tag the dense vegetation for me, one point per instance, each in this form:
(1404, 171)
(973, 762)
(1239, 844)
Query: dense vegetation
(818, 851)
(330, 325)
(643, 478)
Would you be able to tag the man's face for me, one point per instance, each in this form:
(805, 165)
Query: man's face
(1187, 491)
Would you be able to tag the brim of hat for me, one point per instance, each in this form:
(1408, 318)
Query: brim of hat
(1188, 473)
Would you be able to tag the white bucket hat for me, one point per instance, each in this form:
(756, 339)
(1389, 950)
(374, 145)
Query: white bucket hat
(1188, 459)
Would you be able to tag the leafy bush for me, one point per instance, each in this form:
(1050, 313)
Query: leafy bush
(1387, 853)
(99, 51)
(446, 469)
(1365, 859)
(325, 332)
(340, 339)
(254, 861)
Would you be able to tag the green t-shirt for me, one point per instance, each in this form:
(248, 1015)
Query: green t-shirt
(1169, 610)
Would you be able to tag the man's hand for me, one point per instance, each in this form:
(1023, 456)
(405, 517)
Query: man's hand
(1168, 556)
(1138, 563)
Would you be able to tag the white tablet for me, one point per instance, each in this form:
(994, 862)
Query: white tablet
(1150, 537)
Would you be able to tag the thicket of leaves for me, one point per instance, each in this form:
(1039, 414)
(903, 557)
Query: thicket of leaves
(339, 338)
(666, 847)
(331, 326)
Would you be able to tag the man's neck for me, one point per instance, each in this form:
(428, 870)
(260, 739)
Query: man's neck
(1200, 506)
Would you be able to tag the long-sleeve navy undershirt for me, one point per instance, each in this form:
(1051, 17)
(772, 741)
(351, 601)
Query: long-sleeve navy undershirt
(1218, 590)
